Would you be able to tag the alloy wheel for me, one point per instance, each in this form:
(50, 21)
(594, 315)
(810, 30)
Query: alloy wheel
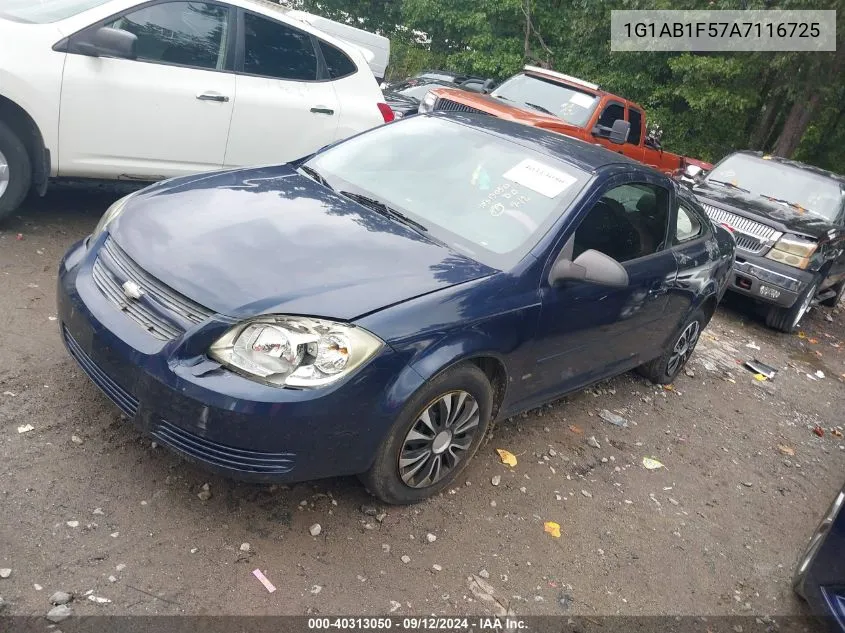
(683, 347)
(439, 439)
(4, 174)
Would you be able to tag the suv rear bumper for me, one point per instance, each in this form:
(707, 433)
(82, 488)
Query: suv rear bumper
(769, 281)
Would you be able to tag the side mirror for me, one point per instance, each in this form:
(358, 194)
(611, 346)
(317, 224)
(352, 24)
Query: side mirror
(693, 171)
(590, 266)
(487, 86)
(619, 132)
(107, 42)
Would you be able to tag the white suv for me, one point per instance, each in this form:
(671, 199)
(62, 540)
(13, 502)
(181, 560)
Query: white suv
(140, 90)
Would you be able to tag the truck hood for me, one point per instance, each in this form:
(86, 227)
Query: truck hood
(269, 240)
(778, 216)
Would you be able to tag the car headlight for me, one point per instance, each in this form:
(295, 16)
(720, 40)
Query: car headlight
(111, 214)
(295, 351)
(428, 102)
(793, 251)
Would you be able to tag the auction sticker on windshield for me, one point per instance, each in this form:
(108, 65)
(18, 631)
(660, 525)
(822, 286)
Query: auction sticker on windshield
(580, 99)
(545, 180)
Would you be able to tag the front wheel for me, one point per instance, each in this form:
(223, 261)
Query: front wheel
(787, 319)
(663, 370)
(436, 435)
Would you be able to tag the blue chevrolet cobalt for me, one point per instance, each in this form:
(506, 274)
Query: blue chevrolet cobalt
(369, 310)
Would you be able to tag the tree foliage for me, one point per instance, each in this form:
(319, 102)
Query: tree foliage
(708, 104)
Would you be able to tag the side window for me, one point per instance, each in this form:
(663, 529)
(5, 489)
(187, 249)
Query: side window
(628, 222)
(184, 33)
(635, 118)
(687, 225)
(611, 113)
(337, 62)
(272, 49)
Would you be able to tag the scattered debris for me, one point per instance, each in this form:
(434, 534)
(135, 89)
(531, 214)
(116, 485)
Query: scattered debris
(587, 494)
(5, 572)
(565, 601)
(394, 606)
(430, 537)
(315, 529)
(819, 374)
(369, 510)
(245, 547)
(72, 524)
(552, 528)
(405, 559)
(761, 369)
(98, 511)
(205, 492)
(495, 480)
(269, 586)
(98, 599)
(592, 441)
(482, 590)
(76, 439)
(59, 613)
(786, 450)
(60, 597)
(576, 429)
(316, 589)
(612, 418)
(26, 428)
(437, 567)
(753, 345)
(11, 394)
(484, 574)
(507, 457)
(747, 484)
(818, 431)
(651, 464)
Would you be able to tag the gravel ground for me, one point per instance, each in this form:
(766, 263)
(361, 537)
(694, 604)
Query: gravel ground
(90, 505)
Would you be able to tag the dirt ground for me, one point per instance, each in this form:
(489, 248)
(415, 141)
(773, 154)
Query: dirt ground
(90, 505)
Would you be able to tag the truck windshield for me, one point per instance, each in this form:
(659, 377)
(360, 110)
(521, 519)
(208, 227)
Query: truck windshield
(800, 189)
(46, 10)
(550, 97)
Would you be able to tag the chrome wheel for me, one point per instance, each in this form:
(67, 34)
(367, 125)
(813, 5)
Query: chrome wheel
(805, 305)
(4, 174)
(439, 439)
(683, 348)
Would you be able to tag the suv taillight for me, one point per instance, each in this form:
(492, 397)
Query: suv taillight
(386, 113)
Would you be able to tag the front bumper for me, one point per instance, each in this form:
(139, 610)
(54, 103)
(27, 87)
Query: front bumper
(232, 425)
(767, 280)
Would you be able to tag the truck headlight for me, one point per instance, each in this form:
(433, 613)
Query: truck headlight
(793, 251)
(295, 351)
(428, 102)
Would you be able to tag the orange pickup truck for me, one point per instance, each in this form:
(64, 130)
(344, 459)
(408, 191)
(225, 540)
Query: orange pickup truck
(568, 105)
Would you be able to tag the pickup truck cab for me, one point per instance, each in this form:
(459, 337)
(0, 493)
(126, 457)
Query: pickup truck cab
(146, 90)
(567, 105)
(788, 220)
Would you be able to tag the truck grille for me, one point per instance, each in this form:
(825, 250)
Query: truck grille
(751, 236)
(161, 311)
(447, 105)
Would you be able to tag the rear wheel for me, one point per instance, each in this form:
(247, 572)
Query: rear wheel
(787, 319)
(434, 438)
(664, 370)
(15, 171)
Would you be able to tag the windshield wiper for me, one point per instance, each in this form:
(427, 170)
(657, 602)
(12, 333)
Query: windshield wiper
(727, 184)
(539, 108)
(315, 175)
(794, 205)
(380, 207)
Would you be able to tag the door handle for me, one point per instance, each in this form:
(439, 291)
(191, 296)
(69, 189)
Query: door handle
(322, 110)
(213, 96)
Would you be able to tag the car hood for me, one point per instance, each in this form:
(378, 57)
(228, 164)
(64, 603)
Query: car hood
(774, 214)
(269, 240)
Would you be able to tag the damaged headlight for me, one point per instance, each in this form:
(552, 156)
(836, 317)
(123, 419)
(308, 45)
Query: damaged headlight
(428, 102)
(793, 251)
(111, 214)
(295, 351)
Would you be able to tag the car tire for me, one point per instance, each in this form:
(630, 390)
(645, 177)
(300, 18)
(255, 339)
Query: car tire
(833, 301)
(15, 171)
(460, 398)
(787, 319)
(664, 370)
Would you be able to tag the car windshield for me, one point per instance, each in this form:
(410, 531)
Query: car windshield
(482, 195)
(437, 76)
(46, 10)
(799, 189)
(417, 91)
(533, 93)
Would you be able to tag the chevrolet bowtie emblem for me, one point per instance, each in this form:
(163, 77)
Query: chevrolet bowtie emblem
(132, 290)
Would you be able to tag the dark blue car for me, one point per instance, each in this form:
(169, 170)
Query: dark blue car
(369, 310)
(820, 573)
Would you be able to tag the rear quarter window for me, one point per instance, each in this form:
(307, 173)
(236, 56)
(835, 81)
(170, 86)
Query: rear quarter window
(337, 62)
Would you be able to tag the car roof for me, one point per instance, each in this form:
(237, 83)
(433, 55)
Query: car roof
(818, 171)
(578, 153)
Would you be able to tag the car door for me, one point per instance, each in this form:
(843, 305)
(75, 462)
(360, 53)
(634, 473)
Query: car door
(285, 109)
(587, 332)
(633, 146)
(165, 113)
(612, 111)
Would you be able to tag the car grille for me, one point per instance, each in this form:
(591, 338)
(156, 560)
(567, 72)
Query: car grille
(752, 237)
(447, 105)
(223, 456)
(124, 400)
(162, 311)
